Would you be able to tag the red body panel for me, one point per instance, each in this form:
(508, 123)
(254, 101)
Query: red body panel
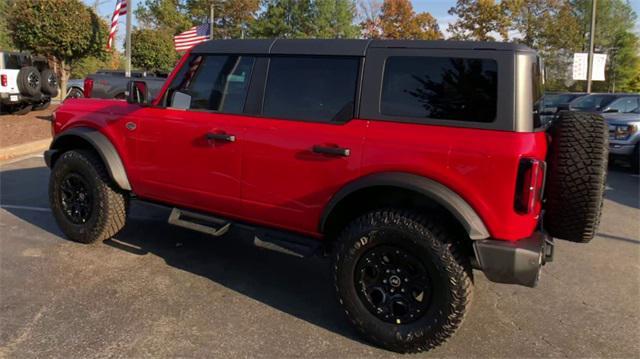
(270, 176)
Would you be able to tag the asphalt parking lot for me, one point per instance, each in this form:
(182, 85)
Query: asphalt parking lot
(161, 291)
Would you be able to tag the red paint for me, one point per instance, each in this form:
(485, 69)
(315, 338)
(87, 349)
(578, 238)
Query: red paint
(270, 175)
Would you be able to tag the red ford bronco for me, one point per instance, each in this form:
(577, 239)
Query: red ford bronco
(409, 162)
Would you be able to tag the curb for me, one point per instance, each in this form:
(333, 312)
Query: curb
(10, 152)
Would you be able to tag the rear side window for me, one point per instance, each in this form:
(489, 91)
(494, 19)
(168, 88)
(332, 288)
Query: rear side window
(320, 89)
(216, 83)
(446, 88)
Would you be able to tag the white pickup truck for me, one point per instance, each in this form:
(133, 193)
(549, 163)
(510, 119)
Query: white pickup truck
(26, 83)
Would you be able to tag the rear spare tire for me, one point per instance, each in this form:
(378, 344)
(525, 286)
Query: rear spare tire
(29, 81)
(578, 154)
(49, 83)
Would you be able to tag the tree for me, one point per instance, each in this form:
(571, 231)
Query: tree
(306, 19)
(67, 30)
(152, 50)
(232, 17)
(5, 37)
(334, 19)
(398, 20)
(479, 19)
(90, 64)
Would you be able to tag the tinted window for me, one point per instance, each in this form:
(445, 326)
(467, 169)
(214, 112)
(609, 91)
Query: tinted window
(311, 88)
(12, 62)
(441, 88)
(625, 104)
(215, 83)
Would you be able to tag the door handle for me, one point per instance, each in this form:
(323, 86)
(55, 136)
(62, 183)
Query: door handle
(220, 136)
(335, 151)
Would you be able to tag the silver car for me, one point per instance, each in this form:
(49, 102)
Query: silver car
(624, 136)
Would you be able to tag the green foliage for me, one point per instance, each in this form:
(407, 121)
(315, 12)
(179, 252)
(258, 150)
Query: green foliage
(65, 29)
(306, 19)
(170, 15)
(5, 38)
(479, 19)
(152, 50)
(90, 64)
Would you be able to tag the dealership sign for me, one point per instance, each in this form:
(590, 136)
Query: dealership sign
(580, 63)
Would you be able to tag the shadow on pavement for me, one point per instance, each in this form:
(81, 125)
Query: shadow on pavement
(618, 238)
(300, 287)
(623, 187)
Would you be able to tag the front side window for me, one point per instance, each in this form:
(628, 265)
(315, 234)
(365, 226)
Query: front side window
(318, 89)
(444, 88)
(625, 104)
(216, 82)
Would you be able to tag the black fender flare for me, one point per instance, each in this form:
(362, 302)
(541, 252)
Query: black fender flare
(100, 144)
(438, 192)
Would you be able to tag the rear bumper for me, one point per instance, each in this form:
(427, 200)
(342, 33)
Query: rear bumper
(17, 98)
(517, 262)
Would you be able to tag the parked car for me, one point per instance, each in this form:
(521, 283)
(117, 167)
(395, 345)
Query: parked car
(551, 102)
(606, 102)
(26, 82)
(624, 137)
(75, 88)
(409, 162)
(109, 84)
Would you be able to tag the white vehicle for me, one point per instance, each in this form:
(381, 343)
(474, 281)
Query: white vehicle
(26, 83)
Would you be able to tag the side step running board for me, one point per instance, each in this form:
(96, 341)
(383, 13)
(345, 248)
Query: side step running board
(286, 243)
(195, 222)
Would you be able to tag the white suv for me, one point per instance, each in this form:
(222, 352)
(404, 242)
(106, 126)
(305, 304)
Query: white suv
(26, 82)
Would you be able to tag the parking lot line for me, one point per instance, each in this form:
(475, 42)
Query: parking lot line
(27, 208)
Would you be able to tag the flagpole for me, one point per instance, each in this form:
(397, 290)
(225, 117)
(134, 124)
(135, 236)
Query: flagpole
(128, 39)
(211, 14)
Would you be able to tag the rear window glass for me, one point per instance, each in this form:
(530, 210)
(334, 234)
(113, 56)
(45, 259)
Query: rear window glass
(318, 89)
(447, 88)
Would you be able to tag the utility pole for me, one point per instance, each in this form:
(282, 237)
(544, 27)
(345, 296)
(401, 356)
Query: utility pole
(211, 17)
(127, 69)
(591, 37)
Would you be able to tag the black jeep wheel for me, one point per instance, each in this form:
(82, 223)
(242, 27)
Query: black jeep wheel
(401, 280)
(578, 156)
(49, 83)
(29, 81)
(85, 203)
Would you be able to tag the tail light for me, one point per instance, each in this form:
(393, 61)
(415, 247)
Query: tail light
(3, 80)
(88, 87)
(529, 185)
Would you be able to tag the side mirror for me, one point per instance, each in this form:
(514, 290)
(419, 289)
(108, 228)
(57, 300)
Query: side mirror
(181, 101)
(137, 92)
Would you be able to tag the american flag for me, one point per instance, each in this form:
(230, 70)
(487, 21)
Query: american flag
(188, 39)
(121, 9)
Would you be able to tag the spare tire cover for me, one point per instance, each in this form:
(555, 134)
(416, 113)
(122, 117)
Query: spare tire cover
(29, 81)
(577, 170)
(49, 83)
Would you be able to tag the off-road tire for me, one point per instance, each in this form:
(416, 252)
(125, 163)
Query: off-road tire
(49, 83)
(29, 81)
(449, 270)
(577, 171)
(110, 205)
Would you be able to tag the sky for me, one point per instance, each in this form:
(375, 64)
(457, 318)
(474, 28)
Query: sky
(437, 8)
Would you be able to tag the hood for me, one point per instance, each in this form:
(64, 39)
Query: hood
(621, 117)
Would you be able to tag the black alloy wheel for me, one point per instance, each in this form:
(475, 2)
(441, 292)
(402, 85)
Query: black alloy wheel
(393, 284)
(33, 80)
(76, 198)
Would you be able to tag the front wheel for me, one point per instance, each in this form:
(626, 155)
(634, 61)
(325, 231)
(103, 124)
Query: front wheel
(83, 199)
(402, 280)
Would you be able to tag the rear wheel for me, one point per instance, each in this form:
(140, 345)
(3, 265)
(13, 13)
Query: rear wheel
(578, 156)
(401, 280)
(49, 83)
(29, 81)
(84, 201)
(75, 92)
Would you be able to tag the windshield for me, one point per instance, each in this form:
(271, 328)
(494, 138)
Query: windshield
(555, 100)
(592, 101)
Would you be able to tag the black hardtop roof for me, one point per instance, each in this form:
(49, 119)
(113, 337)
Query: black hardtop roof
(340, 47)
